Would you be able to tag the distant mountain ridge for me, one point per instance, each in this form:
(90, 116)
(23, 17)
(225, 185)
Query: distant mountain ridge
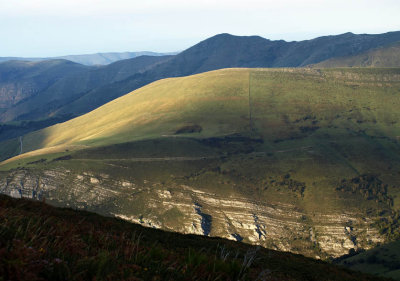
(93, 59)
(75, 95)
(226, 51)
(386, 56)
(20, 79)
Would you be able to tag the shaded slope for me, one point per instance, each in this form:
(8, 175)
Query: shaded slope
(21, 80)
(383, 261)
(43, 242)
(314, 171)
(38, 111)
(388, 56)
(72, 87)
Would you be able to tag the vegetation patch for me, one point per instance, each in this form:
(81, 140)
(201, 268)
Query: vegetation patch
(188, 129)
(286, 183)
(37, 161)
(369, 186)
(390, 226)
(62, 158)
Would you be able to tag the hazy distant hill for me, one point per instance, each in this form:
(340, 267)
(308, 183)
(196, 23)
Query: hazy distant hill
(20, 80)
(387, 56)
(93, 59)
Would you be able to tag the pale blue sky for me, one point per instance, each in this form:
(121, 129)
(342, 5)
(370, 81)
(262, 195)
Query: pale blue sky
(62, 27)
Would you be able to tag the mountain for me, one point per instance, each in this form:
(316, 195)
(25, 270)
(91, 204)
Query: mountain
(21, 80)
(40, 242)
(70, 98)
(383, 261)
(299, 160)
(93, 59)
(387, 56)
(40, 106)
(224, 50)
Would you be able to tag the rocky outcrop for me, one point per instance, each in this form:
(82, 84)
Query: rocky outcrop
(183, 208)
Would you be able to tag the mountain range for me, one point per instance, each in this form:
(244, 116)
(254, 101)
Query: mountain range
(74, 95)
(384, 56)
(91, 59)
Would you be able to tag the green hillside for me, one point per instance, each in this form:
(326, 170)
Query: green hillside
(387, 56)
(39, 242)
(300, 160)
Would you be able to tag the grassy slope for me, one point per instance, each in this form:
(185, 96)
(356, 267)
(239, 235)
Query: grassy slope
(283, 104)
(388, 56)
(42, 242)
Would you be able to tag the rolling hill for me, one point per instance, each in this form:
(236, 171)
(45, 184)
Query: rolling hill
(300, 160)
(388, 56)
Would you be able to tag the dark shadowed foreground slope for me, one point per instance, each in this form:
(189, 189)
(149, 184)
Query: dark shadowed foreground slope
(39, 242)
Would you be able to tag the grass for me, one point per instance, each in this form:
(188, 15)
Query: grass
(281, 102)
(39, 242)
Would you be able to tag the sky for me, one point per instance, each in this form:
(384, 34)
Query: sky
(43, 28)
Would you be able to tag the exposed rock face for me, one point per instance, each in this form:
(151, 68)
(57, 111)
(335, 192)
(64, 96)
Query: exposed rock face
(185, 209)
